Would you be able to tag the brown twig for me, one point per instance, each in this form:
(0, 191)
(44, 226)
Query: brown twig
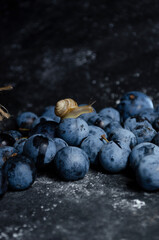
(6, 88)
(3, 111)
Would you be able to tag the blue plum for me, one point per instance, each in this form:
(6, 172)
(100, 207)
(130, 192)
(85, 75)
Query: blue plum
(71, 163)
(19, 144)
(73, 130)
(141, 128)
(96, 131)
(99, 121)
(15, 134)
(92, 145)
(20, 172)
(110, 113)
(132, 103)
(114, 156)
(41, 120)
(112, 127)
(149, 114)
(60, 143)
(26, 119)
(147, 173)
(40, 149)
(125, 136)
(47, 128)
(5, 153)
(131, 122)
(50, 113)
(140, 151)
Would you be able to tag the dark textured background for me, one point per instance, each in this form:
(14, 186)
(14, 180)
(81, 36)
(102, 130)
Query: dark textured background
(87, 50)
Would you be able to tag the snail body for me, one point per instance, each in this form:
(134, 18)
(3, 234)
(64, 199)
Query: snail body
(68, 108)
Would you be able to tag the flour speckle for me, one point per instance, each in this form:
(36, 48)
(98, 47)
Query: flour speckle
(4, 236)
(94, 82)
(131, 205)
(137, 203)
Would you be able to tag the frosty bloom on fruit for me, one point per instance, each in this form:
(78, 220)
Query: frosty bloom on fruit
(3, 111)
(133, 103)
(68, 108)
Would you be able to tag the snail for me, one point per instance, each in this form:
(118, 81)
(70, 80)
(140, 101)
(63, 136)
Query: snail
(68, 108)
(3, 110)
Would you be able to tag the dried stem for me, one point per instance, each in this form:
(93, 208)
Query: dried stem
(3, 111)
(9, 87)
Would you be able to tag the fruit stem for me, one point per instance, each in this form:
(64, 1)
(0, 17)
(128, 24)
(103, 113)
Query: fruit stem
(24, 129)
(104, 137)
(14, 154)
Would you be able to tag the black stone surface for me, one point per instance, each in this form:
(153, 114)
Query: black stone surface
(86, 50)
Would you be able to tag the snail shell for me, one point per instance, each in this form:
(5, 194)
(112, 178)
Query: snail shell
(65, 106)
(68, 108)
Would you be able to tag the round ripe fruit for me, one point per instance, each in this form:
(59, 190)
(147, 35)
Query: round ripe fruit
(124, 135)
(132, 103)
(147, 173)
(5, 153)
(19, 144)
(112, 127)
(60, 143)
(73, 130)
(20, 172)
(47, 128)
(71, 163)
(140, 151)
(99, 121)
(15, 134)
(141, 128)
(92, 145)
(96, 131)
(50, 113)
(41, 120)
(149, 114)
(26, 119)
(113, 157)
(111, 113)
(40, 149)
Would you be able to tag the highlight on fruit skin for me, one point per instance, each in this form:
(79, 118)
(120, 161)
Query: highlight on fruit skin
(68, 108)
(3, 111)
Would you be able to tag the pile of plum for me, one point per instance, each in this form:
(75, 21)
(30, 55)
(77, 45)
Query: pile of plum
(119, 139)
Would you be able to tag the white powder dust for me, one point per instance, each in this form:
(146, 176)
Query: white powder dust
(132, 204)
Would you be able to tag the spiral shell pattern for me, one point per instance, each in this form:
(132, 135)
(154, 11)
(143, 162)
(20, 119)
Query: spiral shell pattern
(65, 106)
